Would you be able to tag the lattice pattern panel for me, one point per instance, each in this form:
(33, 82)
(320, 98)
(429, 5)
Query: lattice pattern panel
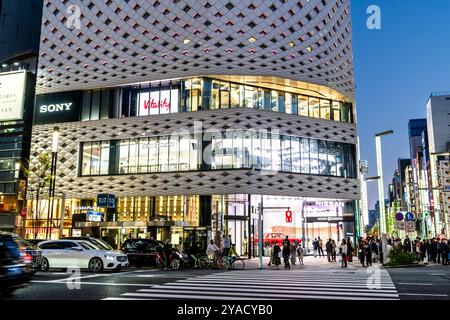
(122, 42)
(232, 181)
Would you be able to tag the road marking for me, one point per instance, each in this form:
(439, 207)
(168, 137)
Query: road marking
(423, 294)
(100, 283)
(438, 274)
(415, 284)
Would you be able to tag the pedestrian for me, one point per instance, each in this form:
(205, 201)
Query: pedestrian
(320, 247)
(445, 251)
(328, 249)
(226, 245)
(368, 252)
(349, 250)
(343, 249)
(361, 252)
(333, 250)
(167, 250)
(374, 249)
(315, 247)
(300, 254)
(286, 252)
(407, 244)
(276, 256)
(293, 253)
(270, 248)
(439, 250)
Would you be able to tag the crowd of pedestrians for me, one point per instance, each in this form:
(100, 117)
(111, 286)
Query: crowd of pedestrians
(435, 250)
(288, 251)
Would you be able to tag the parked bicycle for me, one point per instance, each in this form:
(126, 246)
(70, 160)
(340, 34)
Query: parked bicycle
(217, 262)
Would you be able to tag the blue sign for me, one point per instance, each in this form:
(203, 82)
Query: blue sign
(409, 216)
(94, 216)
(106, 200)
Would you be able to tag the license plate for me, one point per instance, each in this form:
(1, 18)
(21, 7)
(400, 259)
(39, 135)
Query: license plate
(13, 271)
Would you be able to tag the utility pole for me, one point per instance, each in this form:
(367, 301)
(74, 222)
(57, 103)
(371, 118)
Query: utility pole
(260, 233)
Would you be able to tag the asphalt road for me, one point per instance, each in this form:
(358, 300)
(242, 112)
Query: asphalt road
(314, 280)
(63, 286)
(422, 283)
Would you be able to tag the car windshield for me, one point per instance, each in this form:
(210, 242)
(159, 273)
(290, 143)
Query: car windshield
(102, 244)
(89, 246)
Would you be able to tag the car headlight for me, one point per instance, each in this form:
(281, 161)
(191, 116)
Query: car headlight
(110, 258)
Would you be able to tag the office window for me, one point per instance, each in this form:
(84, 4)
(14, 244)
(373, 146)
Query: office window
(143, 155)
(153, 154)
(250, 97)
(124, 156)
(238, 154)
(336, 110)
(247, 150)
(237, 95)
(174, 152)
(266, 154)
(276, 153)
(216, 151)
(286, 154)
(303, 105)
(195, 153)
(314, 108)
(314, 156)
(227, 149)
(224, 95)
(257, 150)
(86, 161)
(134, 156)
(340, 160)
(215, 95)
(163, 159)
(304, 156)
(196, 94)
(295, 154)
(184, 159)
(95, 108)
(325, 109)
(281, 102)
(323, 158)
(332, 158)
(275, 101)
(104, 167)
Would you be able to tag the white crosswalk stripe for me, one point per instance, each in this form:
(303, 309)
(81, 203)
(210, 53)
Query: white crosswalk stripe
(274, 284)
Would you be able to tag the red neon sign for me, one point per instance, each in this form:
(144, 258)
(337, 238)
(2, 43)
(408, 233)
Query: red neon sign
(152, 104)
(289, 216)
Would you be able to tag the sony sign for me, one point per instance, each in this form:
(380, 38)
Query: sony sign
(58, 107)
(55, 107)
(12, 95)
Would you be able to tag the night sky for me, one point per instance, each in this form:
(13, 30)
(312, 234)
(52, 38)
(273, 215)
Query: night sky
(396, 70)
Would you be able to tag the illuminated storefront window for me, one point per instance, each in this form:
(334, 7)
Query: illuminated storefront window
(231, 149)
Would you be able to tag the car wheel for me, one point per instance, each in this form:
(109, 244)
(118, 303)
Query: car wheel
(45, 265)
(96, 265)
(176, 264)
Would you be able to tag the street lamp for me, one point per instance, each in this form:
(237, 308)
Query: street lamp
(381, 190)
(52, 181)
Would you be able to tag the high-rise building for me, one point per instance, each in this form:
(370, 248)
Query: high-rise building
(194, 115)
(438, 124)
(20, 22)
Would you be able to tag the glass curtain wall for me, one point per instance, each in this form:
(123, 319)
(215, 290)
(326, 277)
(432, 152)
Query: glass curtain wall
(232, 149)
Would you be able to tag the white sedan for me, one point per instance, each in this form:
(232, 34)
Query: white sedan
(76, 253)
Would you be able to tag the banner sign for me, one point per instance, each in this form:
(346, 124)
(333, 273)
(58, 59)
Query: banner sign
(106, 200)
(12, 95)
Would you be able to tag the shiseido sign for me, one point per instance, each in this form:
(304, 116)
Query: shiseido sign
(58, 107)
(12, 95)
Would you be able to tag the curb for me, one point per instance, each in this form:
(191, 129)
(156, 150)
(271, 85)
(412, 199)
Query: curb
(405, 266)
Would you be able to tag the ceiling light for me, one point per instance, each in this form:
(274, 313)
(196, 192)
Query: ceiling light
(252, 39)
(292, 44)
(186, 41)
(309, 49)
(4, 65)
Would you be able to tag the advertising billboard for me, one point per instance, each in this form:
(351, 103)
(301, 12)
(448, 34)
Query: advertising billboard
(12, 95)
(158, 102)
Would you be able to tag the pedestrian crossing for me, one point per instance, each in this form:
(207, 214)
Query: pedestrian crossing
(362, 284)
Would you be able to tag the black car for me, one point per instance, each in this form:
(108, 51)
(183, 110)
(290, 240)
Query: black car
(13, 272)
(142, 252)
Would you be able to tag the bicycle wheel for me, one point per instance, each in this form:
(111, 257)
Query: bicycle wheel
(204, 262)
(238, 264)
(224, 263)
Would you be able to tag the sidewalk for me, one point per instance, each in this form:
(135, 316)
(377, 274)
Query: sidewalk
(310, 263)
